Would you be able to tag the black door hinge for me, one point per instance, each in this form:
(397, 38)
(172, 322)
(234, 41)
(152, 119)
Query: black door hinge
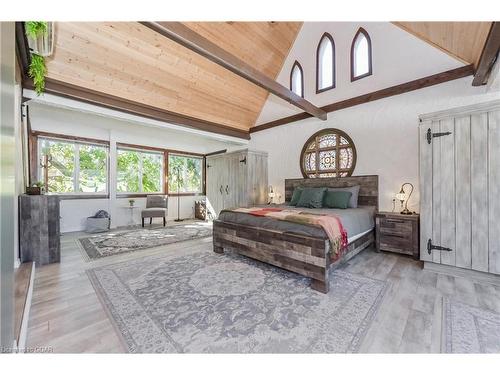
(431, 247)
(431, 135)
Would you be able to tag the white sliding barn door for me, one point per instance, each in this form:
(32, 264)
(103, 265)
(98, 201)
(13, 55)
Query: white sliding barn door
(460, 189)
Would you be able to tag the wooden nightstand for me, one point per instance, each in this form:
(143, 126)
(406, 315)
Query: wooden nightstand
(398, 233)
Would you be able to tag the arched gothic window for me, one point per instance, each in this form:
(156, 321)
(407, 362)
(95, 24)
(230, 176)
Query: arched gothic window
(361, 55)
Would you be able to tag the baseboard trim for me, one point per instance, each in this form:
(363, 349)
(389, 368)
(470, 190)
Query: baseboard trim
(462, 272)
(21, 342)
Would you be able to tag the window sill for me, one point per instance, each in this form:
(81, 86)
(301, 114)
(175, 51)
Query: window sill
(141, 195)
(186, 194)
(136, 195)
(80, 196)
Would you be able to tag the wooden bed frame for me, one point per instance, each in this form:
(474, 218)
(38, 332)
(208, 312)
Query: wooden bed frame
(305, 255)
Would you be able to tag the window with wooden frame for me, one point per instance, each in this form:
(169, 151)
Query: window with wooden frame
(297, 79)
(139, 171)
(70, 167)
(325, 64)
(328, 153)
(185, 174)
(361, 55)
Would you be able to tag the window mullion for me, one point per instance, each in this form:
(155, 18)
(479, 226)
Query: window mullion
(140, 172)
(76, 169)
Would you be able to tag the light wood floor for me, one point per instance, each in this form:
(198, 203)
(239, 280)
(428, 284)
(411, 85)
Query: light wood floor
(67, 316)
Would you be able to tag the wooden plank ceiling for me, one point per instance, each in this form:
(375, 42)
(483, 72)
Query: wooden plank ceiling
(128, 60)
(462, 40)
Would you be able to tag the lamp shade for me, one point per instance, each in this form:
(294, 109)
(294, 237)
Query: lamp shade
(401, 196)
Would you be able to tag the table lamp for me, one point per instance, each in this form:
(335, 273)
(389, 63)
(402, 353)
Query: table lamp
(401, 196)
(271, 195)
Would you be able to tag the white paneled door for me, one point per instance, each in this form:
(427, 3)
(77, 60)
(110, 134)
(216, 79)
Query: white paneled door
(460, 188)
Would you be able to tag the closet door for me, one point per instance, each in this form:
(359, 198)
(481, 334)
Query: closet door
(223, 182)
(460, 190)
(242, 166)
(211, 171)
(215, 179)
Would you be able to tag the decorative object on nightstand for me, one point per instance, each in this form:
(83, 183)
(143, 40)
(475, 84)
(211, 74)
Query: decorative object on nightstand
(398, 233)
(270, 194)
(401, 196)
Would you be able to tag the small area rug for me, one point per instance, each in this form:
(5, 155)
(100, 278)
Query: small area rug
(209, 303)
(112, 243)
(470, 329)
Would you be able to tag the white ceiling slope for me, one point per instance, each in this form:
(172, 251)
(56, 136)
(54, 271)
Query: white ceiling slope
(398, 57)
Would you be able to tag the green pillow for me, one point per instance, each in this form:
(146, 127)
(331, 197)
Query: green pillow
(296, 196)
(336, 199)
(311, 198)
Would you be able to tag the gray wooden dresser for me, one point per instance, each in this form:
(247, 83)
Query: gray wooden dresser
(39, 233)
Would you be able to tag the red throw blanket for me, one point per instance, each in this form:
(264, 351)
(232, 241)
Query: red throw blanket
(331, 223)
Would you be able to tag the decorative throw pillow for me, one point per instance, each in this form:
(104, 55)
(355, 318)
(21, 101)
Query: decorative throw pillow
(353, 202)
(297, 192)
(336, 199)
(311, 198)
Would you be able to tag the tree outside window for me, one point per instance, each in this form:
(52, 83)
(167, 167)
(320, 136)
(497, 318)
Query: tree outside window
(185, 174)
(72, 167)
(139, 171)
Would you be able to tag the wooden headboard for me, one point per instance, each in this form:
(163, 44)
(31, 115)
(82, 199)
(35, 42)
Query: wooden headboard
(368, 191)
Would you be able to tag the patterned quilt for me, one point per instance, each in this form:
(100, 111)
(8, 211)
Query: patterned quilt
(331, 224)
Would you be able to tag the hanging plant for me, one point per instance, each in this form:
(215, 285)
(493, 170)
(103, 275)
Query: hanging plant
(35, 29)
(37, 71)
(40, 40)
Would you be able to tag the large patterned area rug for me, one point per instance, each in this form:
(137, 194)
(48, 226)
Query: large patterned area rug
(209, 303)
(470, 329)
(112, 243)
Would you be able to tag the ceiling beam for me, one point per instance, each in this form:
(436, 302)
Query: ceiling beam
(98, 98)
(101, 99)
(186, 37)
(417, 84)
(488, 55)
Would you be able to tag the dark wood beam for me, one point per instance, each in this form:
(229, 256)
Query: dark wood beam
(216, 152)
(113, 102)
(186, 37)
(86, 95)
(22, 50)
(432, 80)
(488, 56)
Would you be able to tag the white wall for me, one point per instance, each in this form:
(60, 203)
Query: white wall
(74, 212)
(397, 56)
(385, 133)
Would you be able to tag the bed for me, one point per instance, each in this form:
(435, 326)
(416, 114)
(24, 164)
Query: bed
(301, 248)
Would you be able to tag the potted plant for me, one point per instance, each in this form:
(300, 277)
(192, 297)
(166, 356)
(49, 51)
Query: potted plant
(131, 202)
(36, 189)
(40, 37)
